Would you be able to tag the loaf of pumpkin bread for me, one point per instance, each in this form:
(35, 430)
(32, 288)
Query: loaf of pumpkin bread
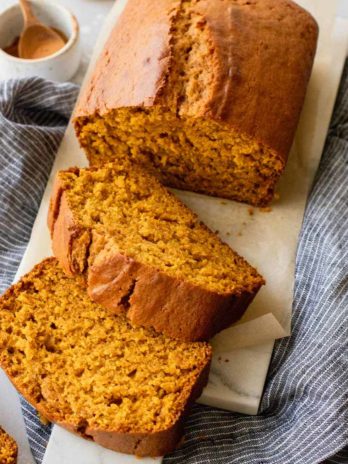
(207, 93)
(8, 448)
(126, 388)
(145, 254)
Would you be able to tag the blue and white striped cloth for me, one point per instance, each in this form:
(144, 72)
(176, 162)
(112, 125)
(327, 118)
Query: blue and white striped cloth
(304, 412)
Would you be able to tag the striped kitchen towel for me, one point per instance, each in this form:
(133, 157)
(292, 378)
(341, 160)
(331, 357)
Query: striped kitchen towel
(304, 411)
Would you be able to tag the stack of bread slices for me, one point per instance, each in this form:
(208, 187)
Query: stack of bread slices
(109, 338)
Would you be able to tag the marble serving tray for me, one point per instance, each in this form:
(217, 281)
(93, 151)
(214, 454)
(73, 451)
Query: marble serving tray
(242, 353)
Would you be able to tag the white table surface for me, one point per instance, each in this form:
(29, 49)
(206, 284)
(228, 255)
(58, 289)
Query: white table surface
(343, 8)
(90, 14)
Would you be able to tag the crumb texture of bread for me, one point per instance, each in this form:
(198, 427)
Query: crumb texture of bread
(8, 448)
(145, 253)
(210, 98)
(93, 373)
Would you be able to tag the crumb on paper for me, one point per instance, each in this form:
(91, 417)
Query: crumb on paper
(222, 202)
(228, 233)
(227, 360)
(219, 358)
(251, 211)
(239, 234)
(266, 209)
(217, 232)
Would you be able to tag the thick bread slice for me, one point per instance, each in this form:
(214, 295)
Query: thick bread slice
(146, 254)
(126, 388)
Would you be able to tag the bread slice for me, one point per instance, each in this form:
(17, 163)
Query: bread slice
(146, 254)
(126, 388)
(8, 448)
(208, 93)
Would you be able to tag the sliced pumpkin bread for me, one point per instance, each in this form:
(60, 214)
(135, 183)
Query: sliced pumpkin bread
(126, 388)
(145, 254)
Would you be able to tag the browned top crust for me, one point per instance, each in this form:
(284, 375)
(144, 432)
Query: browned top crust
(263, 52)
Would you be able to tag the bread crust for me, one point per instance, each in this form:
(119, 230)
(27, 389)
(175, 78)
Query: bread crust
(69, 242)
(141, 444)
(149, 297)
(171, 306)
(145, 444)
(258, 71)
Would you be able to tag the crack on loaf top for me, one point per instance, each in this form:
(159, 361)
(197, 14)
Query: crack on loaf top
(191, 71)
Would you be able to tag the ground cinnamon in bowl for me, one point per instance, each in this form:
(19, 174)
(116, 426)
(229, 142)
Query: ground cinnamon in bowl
(41, 52)
(12, 49)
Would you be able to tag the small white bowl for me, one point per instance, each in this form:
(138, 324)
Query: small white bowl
(60, 66)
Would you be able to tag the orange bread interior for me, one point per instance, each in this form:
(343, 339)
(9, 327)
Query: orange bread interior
(139, 218)
(86, 369)
(8, 448)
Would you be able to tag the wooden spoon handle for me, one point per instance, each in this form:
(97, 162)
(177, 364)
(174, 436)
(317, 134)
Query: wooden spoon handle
(29, 17)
